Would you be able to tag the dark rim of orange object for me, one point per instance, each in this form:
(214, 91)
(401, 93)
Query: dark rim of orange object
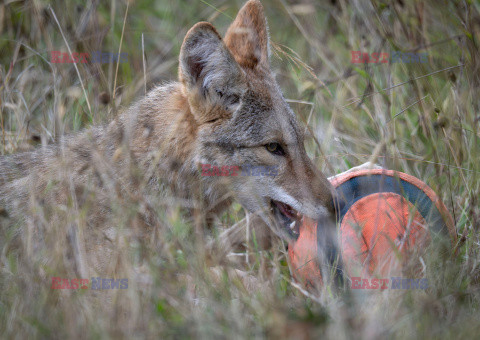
(355, 185)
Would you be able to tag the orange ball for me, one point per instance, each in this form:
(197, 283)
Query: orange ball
(385, 216)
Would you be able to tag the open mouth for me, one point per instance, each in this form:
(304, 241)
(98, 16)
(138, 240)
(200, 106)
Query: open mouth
(287, 217)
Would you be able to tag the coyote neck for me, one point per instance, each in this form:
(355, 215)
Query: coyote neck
(164, 144)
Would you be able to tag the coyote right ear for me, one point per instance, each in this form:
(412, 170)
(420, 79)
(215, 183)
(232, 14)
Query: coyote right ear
(247, 36)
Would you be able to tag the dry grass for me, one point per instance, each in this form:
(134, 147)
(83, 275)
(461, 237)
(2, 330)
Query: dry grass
(419, 118)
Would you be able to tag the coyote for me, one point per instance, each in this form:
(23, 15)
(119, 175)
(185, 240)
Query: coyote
(226, 109)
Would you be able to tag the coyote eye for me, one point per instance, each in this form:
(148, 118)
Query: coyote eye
(275, 148)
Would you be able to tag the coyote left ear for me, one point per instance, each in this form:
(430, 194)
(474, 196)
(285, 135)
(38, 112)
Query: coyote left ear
(247, 36)
(206, 64)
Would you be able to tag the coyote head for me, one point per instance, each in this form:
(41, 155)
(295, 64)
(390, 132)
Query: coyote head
(244, 119)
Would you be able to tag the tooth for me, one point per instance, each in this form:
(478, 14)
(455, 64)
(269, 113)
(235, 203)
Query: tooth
(292, 225)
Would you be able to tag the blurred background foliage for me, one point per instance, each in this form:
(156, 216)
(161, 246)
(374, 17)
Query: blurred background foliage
(420, 118)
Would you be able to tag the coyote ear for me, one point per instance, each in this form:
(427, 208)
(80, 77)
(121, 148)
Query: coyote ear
(247, 36)
(205, 62)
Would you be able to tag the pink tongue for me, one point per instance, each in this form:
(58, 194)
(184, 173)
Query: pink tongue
(286, 210)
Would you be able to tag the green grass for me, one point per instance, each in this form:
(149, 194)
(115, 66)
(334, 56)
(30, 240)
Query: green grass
(427, 127)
